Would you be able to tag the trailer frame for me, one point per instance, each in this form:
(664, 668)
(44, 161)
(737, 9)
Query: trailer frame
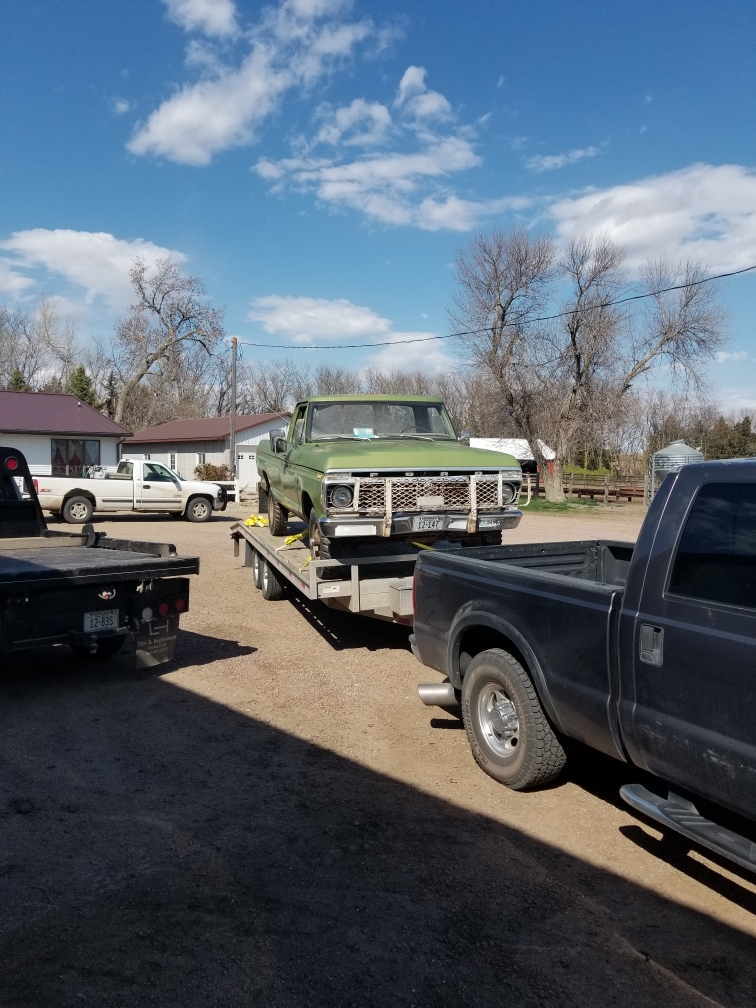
(386, 598)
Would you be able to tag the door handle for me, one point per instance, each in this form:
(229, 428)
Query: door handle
(651, 644)
(146, 486)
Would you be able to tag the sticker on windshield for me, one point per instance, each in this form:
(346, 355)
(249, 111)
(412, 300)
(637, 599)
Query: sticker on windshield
(363, 432)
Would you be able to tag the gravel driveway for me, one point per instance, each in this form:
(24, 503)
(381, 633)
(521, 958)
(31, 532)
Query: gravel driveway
(274, 819)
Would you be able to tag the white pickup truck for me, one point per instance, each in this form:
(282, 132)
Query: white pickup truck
(136, 485)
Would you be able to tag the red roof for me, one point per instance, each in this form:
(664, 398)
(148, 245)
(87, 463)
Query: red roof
(50, 413)
(200, 428)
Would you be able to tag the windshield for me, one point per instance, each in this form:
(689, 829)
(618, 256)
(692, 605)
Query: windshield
(369, 420)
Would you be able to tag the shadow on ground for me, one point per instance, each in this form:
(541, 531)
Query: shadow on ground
(160, 849)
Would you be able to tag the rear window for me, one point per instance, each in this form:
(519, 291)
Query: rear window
(716, 558)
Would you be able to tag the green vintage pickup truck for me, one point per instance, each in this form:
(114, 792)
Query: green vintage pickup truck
(372, 468)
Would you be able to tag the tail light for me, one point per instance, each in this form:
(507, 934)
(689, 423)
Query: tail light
(11, 463)
(163, 609)
(179, 605)
(36, 486)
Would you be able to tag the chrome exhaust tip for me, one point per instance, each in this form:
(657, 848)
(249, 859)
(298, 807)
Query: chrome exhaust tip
(438, 694)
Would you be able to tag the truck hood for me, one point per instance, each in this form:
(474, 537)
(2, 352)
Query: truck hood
(404, 454)
(194, 486)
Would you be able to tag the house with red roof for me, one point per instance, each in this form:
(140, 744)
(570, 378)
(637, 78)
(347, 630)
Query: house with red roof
(59, 435)
(182, 445)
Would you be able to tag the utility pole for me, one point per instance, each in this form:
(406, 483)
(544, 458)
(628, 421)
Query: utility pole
(232, 442)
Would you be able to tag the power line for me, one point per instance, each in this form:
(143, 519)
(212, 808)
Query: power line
(505, 325)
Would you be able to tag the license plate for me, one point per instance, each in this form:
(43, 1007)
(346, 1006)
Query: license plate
(427, 523)
(491, 523)
(106, 619)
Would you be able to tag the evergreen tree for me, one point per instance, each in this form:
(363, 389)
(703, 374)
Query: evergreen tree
(17, 382)
(80, 385)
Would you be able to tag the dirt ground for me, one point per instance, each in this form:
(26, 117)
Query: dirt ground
(275, 819)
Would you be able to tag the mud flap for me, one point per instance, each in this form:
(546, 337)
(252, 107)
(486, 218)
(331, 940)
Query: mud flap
(156, 641)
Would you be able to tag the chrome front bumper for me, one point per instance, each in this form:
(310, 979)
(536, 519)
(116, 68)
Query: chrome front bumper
(352, 525)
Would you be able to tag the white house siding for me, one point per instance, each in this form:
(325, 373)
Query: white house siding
(187, 453)
(37, 450)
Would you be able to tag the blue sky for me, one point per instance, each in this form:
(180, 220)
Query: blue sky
(318, 162)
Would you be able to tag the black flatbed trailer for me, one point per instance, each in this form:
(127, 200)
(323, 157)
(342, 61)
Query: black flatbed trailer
(83, 589)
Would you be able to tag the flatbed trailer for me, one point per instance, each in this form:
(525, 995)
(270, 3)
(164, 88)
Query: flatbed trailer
(347, 585)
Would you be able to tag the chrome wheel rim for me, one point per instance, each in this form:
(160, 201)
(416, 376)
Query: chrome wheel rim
(315, 540)
(499, 721)
(78, 511)
(200, 509)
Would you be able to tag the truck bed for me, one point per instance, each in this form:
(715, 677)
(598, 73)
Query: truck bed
(558, 601)
(44, 567)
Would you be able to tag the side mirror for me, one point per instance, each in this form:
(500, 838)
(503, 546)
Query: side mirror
(276, 438)
(464, 437)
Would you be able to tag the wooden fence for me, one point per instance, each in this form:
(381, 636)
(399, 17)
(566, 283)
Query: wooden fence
(605, 489)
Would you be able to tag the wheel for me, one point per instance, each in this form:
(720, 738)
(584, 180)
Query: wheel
(199, 509)
(492, 538)
(273, 585)
(77, 510)
(278, 517)
(321, 548)
(257, 569)
(506, 727)
(106, 648)
(262, 499)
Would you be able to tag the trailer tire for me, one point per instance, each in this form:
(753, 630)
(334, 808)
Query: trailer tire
(273, 585)
(509, 734)
(278, 517)
(106, 648)
(199, 509)
(257, 568)
(77, 510)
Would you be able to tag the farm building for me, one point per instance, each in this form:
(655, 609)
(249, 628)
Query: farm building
(58, 434)
(182, 445)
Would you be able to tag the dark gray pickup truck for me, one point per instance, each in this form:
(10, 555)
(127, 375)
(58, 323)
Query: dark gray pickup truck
(645, 652)
(85, 589)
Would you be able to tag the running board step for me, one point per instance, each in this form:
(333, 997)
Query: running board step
(681, 815)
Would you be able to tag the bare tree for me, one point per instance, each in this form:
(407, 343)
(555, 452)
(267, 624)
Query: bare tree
(556, 379)
(168, 317)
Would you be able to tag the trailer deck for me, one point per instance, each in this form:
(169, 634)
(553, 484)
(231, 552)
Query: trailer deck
(351, 584)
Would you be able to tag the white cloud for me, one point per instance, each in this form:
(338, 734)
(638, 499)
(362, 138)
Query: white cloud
(12, 283)
(95, 261)
(416, 100)
(397, 187)
(703, 213)
(374, 118)
(211, 17)
(427, 356)
(121, 106)
(548, 162)
(294, 45)
(727, 355)
(307, 319)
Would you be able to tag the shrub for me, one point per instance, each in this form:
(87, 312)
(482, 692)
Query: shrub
(208, 471)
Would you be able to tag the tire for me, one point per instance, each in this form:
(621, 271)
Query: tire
(106, 648)
(506, 727)
(77, 510)
(492, 538)
(199, 509)
(278, 517)
(273, 585)
(262, 499)
(257, 569)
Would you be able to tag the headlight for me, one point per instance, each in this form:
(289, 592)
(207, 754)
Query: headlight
(341, 496)
(508, 493)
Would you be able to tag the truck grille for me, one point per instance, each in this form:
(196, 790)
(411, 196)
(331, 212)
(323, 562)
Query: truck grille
(447, 493)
